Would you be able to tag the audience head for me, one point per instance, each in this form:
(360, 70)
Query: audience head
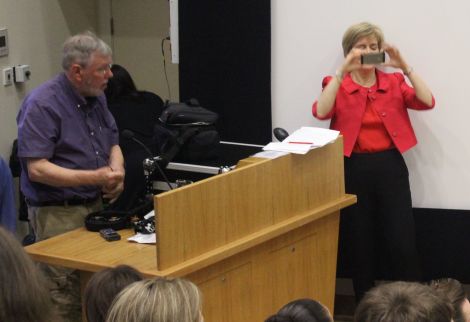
(358, 31)
(103, 287)
(157, 300)
(454, 291)
(24, 296)
(303, 310)
(121, 84)
(87, 62)
(403, 302)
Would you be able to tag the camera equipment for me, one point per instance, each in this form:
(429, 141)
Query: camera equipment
(373, 59)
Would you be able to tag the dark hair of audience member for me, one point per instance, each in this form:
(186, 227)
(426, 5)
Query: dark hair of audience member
(24, 296)
(403, 302)
(103, 287)
(302, 310)
(454, 291)
(121, 84)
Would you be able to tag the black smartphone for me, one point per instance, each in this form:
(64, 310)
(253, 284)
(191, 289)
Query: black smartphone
(110, 234)
(373, 59)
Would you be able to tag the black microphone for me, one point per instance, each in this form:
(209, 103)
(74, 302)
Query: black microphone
(150, 162)
(130, 135)
(280, 133)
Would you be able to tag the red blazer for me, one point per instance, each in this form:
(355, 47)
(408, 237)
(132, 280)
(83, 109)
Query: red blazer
(391, 100)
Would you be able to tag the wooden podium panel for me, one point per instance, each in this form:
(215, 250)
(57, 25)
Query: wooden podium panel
(215, 212)
(255, 283)
(252, 239)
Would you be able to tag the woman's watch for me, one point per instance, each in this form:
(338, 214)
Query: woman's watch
(408, 71)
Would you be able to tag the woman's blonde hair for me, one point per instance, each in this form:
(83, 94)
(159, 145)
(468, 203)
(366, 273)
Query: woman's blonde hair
(157, 300)
(358, 31)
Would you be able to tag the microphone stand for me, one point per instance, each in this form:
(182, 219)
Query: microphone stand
(149, 164)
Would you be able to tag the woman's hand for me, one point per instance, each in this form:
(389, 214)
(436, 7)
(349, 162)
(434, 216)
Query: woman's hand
(396, 59)
(351, 62)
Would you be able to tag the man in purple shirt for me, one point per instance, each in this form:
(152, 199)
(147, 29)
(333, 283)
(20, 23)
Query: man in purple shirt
(68, 145)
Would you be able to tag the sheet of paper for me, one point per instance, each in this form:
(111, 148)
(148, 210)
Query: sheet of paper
(270, 154)
(286, 147)
(303, 140)
(143, 238)
(314, 136)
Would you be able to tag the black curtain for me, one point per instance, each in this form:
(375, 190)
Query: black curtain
(225, 62)
(442, 240)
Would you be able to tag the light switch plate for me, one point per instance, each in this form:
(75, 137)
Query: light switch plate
(7, 76)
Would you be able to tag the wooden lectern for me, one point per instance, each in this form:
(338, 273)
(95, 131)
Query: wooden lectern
(252, 239)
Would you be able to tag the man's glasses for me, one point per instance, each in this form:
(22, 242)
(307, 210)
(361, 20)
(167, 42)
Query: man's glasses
(104, 69)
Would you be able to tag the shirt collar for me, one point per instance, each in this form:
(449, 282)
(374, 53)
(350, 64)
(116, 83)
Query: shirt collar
(79, 99)
(382, 83)
(72, 90)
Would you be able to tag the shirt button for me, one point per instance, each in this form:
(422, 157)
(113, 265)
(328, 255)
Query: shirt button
(92, 133)
(97, 152)
(394, 134)
(383, 114)
(369, 90)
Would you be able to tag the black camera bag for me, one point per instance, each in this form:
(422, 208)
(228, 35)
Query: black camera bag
(186, 132)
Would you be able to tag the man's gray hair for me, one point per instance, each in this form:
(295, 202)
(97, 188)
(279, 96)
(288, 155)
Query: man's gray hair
(79, 48)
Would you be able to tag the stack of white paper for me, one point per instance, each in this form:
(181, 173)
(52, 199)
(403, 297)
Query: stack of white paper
(303, 140)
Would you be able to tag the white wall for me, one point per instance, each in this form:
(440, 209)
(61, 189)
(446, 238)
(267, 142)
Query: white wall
(306, 45)
(138, 33)
(36, 31)
(433, 36)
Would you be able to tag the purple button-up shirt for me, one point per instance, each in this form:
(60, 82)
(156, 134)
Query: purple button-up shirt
(58, 124)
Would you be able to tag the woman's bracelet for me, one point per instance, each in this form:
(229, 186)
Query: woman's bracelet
(408, 71)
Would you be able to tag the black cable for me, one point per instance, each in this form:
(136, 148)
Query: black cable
(164, 66)
(163, 175)
(111, 24)
(128, 134)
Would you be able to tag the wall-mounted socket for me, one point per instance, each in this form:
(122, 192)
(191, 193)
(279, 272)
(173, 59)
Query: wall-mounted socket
(21, 73)
(7, 76)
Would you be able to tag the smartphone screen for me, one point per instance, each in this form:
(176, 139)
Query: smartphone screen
(373, 59)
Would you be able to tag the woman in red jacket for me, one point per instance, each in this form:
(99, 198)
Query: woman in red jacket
(369, 107)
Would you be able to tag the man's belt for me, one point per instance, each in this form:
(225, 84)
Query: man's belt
(63, 203)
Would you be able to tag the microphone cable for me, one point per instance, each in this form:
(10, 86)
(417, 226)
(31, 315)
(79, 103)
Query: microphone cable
(164, 66)
(128, 134)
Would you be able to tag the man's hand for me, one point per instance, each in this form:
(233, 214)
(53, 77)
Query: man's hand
(113, 192)
(113, 183)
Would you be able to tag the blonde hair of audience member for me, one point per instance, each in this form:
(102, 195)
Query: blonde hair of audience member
(24, 296)
(403, 302)
(454, 291)
(103, 287)
(157, 300)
